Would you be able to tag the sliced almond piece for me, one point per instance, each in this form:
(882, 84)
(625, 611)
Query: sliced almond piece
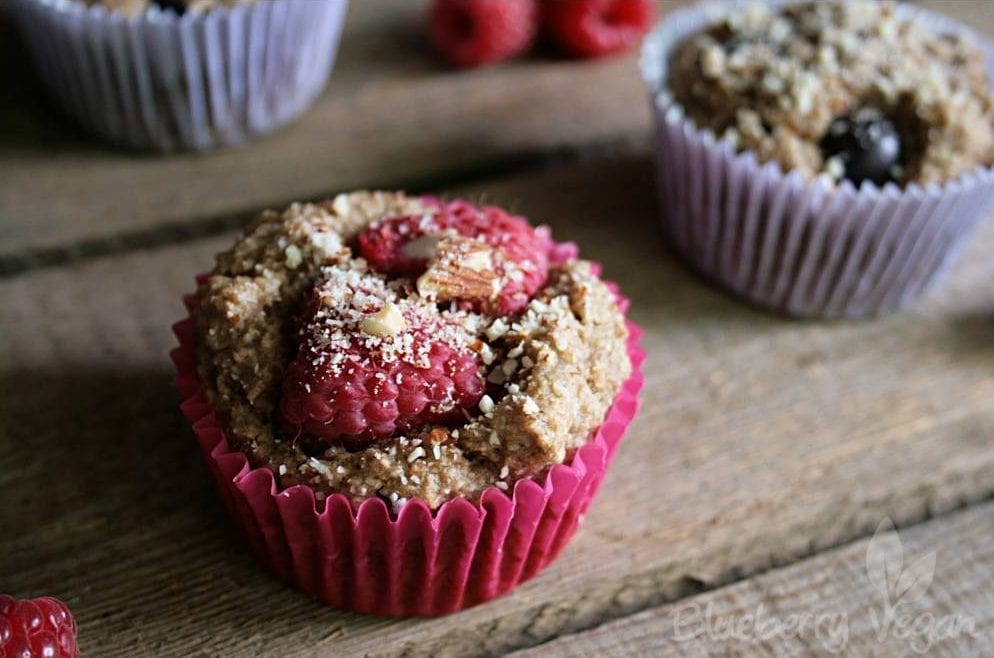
(463, 268)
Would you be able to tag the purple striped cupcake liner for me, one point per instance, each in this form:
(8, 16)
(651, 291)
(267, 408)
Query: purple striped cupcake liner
(198, 81)
(804, 247)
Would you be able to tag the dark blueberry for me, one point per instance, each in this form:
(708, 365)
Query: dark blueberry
(179, 6)
(868, 145)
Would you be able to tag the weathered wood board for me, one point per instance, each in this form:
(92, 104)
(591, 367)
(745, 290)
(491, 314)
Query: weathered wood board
(761, 441)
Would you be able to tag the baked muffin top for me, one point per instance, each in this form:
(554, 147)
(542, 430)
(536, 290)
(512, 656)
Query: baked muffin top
(399, 347)
(854, 89)
(133, 7)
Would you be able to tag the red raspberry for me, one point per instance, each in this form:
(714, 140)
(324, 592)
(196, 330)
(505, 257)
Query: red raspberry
(477, 32)
(362, 373)
(522, 268)
(592, 28)
(36, 627)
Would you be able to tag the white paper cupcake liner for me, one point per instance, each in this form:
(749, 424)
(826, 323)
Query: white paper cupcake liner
(807, 248)
(196, 82)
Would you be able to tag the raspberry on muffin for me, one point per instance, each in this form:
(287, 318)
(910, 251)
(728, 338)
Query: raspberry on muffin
(496, 245)
(374, 360)
(379, 345)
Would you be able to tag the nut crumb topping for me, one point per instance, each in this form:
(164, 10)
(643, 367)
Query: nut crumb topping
(554, 368)
(388, 321)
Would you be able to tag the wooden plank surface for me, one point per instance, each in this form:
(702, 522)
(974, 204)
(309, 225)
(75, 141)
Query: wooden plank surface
(393, 114)
(761, 441)
(827, 605)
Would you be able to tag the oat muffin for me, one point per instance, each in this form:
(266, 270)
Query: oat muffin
(384, 346)
(854, 150)
(849, 88)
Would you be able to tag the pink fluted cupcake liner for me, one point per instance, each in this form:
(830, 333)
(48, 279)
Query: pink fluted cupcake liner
(807, 248)
(415, 563)
(193, 82)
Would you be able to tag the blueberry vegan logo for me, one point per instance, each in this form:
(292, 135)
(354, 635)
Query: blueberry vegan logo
(897, 607)
(900, 587)
(885, 568)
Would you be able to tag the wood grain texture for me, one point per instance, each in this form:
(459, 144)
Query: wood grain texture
(393, 114)
(761, 440)
(825, 605)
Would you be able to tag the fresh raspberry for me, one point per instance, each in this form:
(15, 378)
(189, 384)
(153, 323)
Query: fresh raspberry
(371, 364)
(592, 28)
(473, 33)
(396, 247)
(36, 627)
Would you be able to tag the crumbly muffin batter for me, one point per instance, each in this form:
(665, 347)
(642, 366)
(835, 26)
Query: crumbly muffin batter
(790, 83)
(552, 370)
(134, 7)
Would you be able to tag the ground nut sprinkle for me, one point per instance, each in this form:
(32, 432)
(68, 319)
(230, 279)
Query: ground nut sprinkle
(297, 339)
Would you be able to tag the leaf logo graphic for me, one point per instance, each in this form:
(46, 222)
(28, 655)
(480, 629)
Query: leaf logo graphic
(885, 568)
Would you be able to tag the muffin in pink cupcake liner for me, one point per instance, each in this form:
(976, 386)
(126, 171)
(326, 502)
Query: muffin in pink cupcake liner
(417, 562)
(809, 248)
(198, 81)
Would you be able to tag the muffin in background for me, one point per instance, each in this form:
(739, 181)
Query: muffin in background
(182, 74)
(822, 159)
(132, 7)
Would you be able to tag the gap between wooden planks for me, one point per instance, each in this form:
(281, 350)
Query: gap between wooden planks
(828, 604)
(393, 115)
(761, 441)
